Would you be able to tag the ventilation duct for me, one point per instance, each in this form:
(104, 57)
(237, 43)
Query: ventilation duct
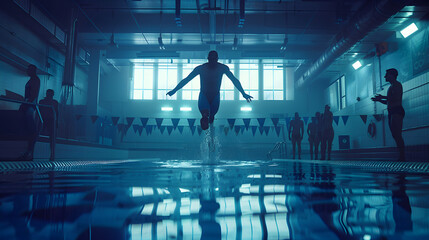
(369, 17)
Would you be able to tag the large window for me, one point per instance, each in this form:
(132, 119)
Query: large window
(142, 82)
(337, 93)
(273, 82)
(192, 89)
(249, 78)
(227, 88)
(167, 79)
(343, 92)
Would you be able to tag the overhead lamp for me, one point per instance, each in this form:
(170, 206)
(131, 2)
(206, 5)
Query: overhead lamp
(283, 46)
(166, 109)
(185, 109)
(246, 109)
(357, 65)
(235, 45)
(412, 28)
(160, 43)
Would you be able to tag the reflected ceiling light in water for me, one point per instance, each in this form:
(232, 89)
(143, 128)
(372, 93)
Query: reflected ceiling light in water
(366, 237)
(184, 190)
(254, 176)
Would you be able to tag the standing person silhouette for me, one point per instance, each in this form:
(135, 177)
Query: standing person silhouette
(327, 133)
(50, 119)
(211, 78)
(313, 137)
(32, 88)
(396, 112)
(297, 130)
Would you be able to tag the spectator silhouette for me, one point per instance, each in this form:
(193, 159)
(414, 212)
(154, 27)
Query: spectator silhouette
(297, 130)
(211, 78)
(327, 133)
(396, 112)
(50, 118)
(32, 88)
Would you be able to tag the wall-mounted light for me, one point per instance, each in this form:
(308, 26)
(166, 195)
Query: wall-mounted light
(160, 43)
(412, 28)
(185, 109)
(246, 109)
(166, 109)
(357, 65)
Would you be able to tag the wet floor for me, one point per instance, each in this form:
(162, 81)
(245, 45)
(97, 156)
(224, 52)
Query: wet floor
(154, 199)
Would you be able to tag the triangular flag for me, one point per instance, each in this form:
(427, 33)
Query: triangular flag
(242, 128)
(278, 130)
(159, 122)
(135, 127)
(94, 118)
(231, 122)
(246, 122)
(115, 120)
(126, 128)
(345, 118)
(180, 129)
(191, 123)
(225, 130)
(336, 119)
(237, 129)
(169, 129)
(140, 129)
(221, 127)
(144, 121)
(78, 116)
(267, 130)
(261, 130)
(199, 130)
(378, 117)
(192, 129)
(364, 117)
(175, 122)
(254, 128)
(275, 121)
(305, 119)
(261, 122)
(148, 129)
(120, 127)
(287, 120)
(130, 120)
(161, 129)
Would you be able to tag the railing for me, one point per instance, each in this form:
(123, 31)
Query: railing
(40, 118)
(281, 148)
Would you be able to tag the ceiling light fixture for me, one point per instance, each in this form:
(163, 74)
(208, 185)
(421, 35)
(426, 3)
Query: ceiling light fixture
(357, 65)
(412, 28)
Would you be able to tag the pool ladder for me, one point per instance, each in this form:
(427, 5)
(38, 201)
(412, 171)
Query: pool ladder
(278, 147)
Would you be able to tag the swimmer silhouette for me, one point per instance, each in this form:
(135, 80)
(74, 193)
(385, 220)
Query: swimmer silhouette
(211, 78)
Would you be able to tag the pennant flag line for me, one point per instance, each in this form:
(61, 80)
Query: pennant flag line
(287, 120)
(267, 130)
(199, 130)
(162, 129)
(261, 130)
(135, 127)
(278, 130)
(180, 129)
(169, 129)
(159, 122)
(237, 130)
(175, 122)
(191, 123)
(242, 129)
(192, 128)
(225, 130)
(254, 128)
(275, 121)
(94, 118)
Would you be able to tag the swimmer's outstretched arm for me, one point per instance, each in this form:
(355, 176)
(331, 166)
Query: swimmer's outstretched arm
(185, 81)
(237, 84)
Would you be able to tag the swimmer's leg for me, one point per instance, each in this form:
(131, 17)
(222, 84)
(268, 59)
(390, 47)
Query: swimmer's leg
(204, 107)
(214, 108)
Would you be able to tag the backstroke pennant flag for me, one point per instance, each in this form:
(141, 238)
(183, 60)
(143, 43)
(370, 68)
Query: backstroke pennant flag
(254, 128)
(261, 122)
(140, 129)
(162, 129)
(287, 122)
(135, 127)
(221, 128)
(225, 130)
(231, 122)
(144, 121)
(180, 129)
(192, 128)
(336, 119)
(277, 130)
(94, 118)
(199, 130)
(191, 123)
(242, 128)
(175, 122)
(169, 129)
(275, 121)
(130, 120)
(159, 122)
(237, 130)
(246, 122)
(345, 118)
(364, 118)
(115, 120)
(261, 130)
(267, 130)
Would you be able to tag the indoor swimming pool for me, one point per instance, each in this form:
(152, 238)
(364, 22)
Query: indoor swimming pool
(157, 199)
